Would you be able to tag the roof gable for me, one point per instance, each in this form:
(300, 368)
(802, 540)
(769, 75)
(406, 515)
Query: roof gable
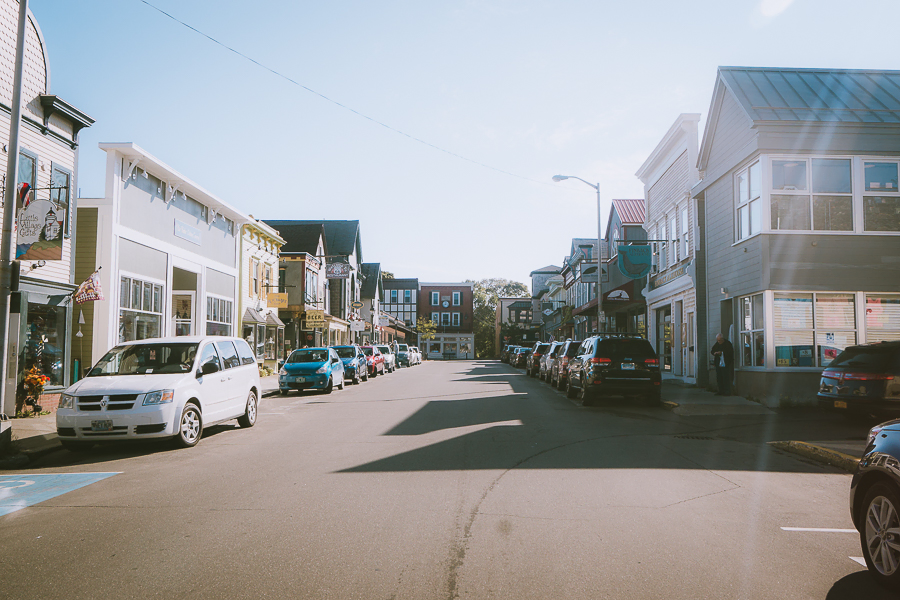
(341, 237)
(301, 238)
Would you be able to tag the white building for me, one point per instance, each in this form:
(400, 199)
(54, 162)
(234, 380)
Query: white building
(168, 251)
(668, 176)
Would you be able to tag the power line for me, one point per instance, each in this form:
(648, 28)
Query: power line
(339, 104)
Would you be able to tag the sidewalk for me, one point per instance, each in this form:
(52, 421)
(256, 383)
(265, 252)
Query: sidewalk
(833, 449)
(33, 437)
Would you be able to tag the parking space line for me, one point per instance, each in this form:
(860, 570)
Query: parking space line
(819, 529)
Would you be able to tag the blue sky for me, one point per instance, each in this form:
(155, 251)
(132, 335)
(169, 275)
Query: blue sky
(533, 88)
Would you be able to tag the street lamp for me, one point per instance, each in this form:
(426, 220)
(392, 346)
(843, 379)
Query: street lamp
(559, 178)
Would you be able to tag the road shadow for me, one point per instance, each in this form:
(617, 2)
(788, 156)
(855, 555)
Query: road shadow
(533, 425)
(859, 585)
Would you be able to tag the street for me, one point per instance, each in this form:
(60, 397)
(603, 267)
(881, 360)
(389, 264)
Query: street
(463, 479)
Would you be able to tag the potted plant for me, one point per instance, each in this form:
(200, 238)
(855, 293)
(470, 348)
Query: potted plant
(34, 383)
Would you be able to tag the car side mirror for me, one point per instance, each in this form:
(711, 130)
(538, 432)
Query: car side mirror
(209, 368)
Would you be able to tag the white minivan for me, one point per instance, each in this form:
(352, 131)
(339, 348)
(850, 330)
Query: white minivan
(165, 387)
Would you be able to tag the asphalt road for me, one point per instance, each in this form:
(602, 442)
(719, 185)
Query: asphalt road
(445, 480)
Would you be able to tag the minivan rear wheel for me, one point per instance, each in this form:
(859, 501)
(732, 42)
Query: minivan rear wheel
(248, 419)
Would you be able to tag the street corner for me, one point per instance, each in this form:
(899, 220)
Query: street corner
(819, 453)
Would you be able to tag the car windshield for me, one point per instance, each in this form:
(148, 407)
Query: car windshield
(308, 355)
(145, 359)
(345, 351)
(572, 350)
(403, 347)
(542, 348)
(384, 349)
(368, 351)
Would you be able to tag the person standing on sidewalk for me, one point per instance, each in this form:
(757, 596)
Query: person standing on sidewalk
(723, 354)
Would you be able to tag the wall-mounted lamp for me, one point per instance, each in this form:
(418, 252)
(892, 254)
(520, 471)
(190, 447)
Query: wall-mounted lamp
(38, 264)
(725, 290)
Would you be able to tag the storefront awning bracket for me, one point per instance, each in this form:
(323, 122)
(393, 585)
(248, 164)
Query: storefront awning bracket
(131, 166)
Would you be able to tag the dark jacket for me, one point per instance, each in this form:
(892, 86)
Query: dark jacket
(726, 349)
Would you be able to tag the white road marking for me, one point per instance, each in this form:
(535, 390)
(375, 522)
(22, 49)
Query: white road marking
(858, 559)
(819, 529)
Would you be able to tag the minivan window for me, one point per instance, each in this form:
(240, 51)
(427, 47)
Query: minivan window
(345, 351)
(541, 348)
(229, 354)
(142, 359)
(368, 351)
(403, 347)
(209, 355)
(384, 349)
(572, 350)
(245, 352)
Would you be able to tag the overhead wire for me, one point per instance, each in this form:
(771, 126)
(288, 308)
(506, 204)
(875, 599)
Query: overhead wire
(341, 105)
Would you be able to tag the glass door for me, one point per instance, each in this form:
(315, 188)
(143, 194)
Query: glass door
(183, 313)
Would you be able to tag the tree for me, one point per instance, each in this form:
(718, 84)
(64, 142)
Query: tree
(426, 329)
(487, 293)
(387, 275)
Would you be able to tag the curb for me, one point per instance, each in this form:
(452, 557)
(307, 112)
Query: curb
(819, 454)
(27, 456)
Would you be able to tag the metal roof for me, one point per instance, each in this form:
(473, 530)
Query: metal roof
(832, 95)
(630, 211)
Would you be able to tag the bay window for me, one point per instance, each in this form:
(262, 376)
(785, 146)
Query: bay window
(881, 202)
(882, 318)
(749, 213)
(811, 329)
(752, 324)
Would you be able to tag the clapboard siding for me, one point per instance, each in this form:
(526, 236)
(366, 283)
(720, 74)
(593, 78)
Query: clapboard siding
(85, 264)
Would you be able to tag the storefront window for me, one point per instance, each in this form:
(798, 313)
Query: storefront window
(260, 342)
(140, 310)
(279, 344)
(882, 318)
(45, 341)
(270, 343)
(218, 316)
(812, 325)
(752, 322)
(249, 334)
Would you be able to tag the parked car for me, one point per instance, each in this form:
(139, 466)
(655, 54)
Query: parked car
(164, 387)
(311, 369)
(390, 359)
(355, 364)
(374, 360)
(533, 362)
(875, 503)
(548, 359)
(864, 378)
(614, 365)
(403, 355)
(504, 352)
(415, 357)
(519, 357)
(560, 372)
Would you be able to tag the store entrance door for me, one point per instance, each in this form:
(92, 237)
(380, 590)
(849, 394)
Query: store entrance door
(664, 337)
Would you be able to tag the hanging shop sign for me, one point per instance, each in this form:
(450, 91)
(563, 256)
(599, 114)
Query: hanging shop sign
(357, 325)
(356, 305)
(384, 321)
(314, 319)
(277, 300)
(635, 261)
(39, 229)
(337, 271)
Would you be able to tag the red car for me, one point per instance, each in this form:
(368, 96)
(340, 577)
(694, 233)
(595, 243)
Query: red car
(375, 360)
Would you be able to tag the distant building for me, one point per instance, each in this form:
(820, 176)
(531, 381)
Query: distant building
(451, 308)
(623, 302)
(400, 300)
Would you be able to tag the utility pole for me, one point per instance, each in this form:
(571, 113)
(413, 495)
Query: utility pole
(8, 363)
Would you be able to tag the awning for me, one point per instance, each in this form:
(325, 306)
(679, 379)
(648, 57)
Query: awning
(523, 304)
(272, 319)
(252, 316)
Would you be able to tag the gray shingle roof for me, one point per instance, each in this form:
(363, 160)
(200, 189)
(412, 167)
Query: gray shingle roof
(371, 273)
(299, 237)
(832, 95)
(340, 236)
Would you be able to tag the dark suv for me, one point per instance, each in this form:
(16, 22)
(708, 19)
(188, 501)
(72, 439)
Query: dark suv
(864, 378)
(559, 371)
(614, 364)
(533, 362)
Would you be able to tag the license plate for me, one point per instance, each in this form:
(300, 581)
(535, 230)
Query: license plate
(840, 404)
(299, 380)
(101, 425)
(628, 366)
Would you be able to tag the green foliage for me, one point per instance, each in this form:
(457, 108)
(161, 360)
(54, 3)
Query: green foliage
(387, 275)
(487, 293)
(426, 328)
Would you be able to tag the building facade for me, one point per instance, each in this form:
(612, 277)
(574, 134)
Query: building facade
(450, 307)
(261, 326)
(169, 252)
(579, 273)
(401, 300)
(623, 303)
(41, 312)
(302, 278)
(799, 194)
(370, 295)
(668, 175)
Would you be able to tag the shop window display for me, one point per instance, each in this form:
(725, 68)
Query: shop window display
(45, 341)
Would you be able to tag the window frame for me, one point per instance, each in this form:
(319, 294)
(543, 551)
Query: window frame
(155, 284)
(857, 330)
(457, 299)
(214, 316)
(753, 333)
(455, 319)
(435, 298)
(748, 203)
(57, 168)
(445, 319)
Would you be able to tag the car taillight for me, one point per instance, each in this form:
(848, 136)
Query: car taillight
(601, 361)
(651, 362)
(831, 374)
(565, 360)
(867, 377)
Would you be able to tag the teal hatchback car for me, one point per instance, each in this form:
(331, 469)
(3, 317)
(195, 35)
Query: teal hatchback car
(311, 369)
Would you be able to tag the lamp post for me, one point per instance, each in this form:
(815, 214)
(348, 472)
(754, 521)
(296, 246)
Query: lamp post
(559, 178)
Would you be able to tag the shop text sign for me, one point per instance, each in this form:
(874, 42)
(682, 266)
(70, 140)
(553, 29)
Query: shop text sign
(337, 271)
(186, 232)
(277, 300)
(669, 276)
(39, 231)
(315, 319)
